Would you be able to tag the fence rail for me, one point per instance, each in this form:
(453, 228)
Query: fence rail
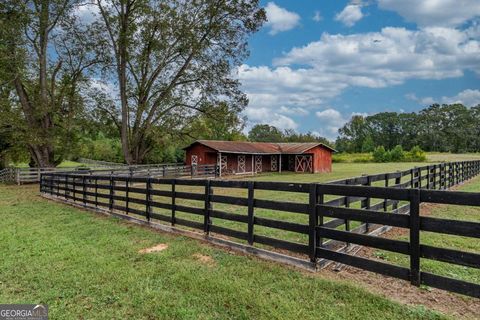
(32, 175)
(324, 216)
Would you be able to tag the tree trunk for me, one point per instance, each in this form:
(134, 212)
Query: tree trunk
(122, 76)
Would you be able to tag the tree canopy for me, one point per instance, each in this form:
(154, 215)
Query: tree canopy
(446, 128)
(172, 61)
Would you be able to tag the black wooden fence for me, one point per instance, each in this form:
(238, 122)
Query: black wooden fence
(330, 213)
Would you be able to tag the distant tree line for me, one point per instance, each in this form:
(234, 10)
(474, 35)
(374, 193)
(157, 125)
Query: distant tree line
(268, 133)
(444, 128)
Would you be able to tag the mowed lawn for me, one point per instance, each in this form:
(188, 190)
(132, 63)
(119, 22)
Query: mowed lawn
(85, 266)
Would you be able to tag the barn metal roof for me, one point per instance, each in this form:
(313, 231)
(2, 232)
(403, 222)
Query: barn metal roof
(260, 147)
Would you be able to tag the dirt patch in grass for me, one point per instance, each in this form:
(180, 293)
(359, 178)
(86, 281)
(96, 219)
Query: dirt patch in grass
(157, 248)
(204, 259)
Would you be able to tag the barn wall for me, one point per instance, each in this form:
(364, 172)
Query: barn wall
(205, 154)
(322, 159)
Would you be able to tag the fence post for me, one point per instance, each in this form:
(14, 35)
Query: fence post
(96, 192)
(251, 212)
(149, 198)
(74, 186)
(385, 201)
(368, 204)
(313, 219)
(67, 186)
(111, 193)
(173, 201)
(127, 194)
(398, 180)
(415, 236)
(208, 208)
(443, 176)
(84, 191)
(411, 178)
(58, 185)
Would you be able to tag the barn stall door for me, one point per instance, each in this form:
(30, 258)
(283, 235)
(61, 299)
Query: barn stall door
(303, 163)
(241, 164)
(258, 163)
(273, 163)
(194, 162)
(223, 163)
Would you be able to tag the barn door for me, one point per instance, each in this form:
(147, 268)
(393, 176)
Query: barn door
(258, 163)
(273, 163)
(241, 163)
(303, 163)
(194, 164)
(223, 163)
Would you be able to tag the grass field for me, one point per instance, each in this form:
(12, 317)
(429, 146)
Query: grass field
(88, 267)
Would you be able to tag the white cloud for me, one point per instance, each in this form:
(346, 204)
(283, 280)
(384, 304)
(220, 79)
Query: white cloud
(391, 56)
(468, 97)
(350, 15)
(434, 12)
(280, 19)
(258, 115)
(293, 111)
(317, 17)
(426, 101)
(330, 120)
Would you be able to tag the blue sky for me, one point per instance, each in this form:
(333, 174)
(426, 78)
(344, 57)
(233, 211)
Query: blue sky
(316, 63)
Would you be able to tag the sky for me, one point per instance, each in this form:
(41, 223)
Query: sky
(315, 63)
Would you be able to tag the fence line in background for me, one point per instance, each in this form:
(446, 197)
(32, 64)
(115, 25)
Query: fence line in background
(378, 201)
(32, 175)
(99, 163)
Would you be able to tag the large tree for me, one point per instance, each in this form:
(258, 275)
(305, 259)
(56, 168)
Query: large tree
(265, 133)
(171, 59)
(45, 52)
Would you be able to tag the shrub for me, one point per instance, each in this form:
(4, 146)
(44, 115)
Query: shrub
(416, 154)
(352, 157)
(397, 154)
(363, 159)
(339, 158)
(380, 155)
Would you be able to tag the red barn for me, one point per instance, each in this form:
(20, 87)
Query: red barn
(240, 157)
